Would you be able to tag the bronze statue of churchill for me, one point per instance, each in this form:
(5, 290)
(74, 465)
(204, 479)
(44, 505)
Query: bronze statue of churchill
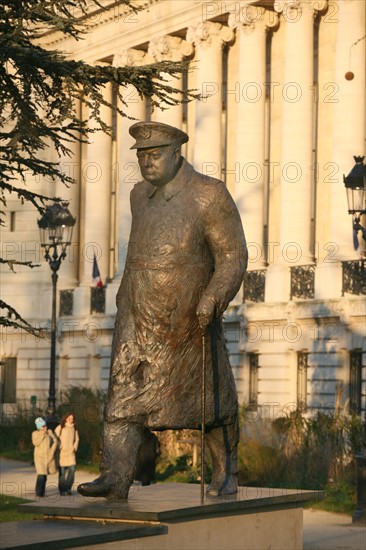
(185, 262)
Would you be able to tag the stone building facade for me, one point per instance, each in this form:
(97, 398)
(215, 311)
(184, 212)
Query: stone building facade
(280, 124)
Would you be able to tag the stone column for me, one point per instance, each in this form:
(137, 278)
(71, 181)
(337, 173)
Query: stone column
(296, 146)
(170, 48)
(209, 39)
(95, 205)
(128, 170)
(251, 27)
(349, 118)
(349, 113)
(71, 166)
(97, 184)
(297, 130)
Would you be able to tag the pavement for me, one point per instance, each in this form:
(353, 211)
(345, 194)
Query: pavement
(322, 530)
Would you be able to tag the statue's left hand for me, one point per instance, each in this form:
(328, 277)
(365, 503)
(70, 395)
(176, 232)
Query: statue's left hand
(205, 312)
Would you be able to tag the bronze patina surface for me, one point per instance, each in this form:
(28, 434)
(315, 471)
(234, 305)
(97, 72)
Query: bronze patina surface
(186, 261)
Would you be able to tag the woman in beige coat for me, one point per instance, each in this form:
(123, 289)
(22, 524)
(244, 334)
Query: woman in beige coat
(45, 445)
(68, 441)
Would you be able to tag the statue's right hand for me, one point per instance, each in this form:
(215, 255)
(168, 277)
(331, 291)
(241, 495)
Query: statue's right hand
(205, 312)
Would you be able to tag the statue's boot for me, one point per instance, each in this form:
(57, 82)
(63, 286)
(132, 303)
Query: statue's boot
(226, 485)
(223, 445)
(122, 442)
(108, 485)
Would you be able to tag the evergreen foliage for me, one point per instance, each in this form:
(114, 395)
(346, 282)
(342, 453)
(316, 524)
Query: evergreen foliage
(39, 89)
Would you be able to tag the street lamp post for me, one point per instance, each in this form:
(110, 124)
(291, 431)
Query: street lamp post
(355, 184)
(55, 227)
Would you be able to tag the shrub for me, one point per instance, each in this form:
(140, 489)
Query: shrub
(295, 451)
(15, 433)
(86, 405)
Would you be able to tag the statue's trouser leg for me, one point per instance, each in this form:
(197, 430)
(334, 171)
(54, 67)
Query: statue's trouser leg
(223, 445)
(122, 442)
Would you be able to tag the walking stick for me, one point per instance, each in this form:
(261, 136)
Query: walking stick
(203, 415)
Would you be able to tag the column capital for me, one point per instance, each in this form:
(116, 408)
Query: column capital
(207, 33)
(170, 48)
(131, 57)
(318, 5)
(249, 18)
(283, 5)
(287, 7)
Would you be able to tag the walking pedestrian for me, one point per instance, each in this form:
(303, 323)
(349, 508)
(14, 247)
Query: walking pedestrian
(68, 443)
(45, 445)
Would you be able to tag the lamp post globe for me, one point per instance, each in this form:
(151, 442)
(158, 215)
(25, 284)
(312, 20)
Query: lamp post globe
(55, 226)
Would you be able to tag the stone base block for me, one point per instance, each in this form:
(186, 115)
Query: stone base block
(254, 519)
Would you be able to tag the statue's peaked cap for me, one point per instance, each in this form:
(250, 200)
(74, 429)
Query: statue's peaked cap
(156, 134)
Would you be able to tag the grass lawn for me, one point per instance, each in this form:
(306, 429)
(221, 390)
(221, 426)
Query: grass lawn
(341, 498)
(23, 456)
(9, 510)
(27, 456)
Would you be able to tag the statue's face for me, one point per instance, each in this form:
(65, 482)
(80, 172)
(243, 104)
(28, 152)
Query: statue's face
(159, 165)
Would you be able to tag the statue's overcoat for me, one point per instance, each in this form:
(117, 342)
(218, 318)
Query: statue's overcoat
(186, 241)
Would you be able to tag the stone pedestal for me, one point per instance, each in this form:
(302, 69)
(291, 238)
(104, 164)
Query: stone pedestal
(45, 534)
(254, 519)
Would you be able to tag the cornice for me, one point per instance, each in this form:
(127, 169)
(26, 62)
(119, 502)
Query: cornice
(281, 6)
(126, 34)
(116, 12)
(119, 10)
(111, 35)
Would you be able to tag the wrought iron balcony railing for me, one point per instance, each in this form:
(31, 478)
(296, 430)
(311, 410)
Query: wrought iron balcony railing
(254, 285)
(97, 299)
(66, 302)
(303, 282)
(354, 277)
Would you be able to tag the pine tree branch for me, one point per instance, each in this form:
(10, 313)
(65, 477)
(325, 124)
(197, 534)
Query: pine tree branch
(15, 320)
(40, 89)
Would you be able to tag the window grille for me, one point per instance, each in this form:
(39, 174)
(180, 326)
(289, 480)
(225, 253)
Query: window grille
(355, 381)
(66, 302)
(97, 300)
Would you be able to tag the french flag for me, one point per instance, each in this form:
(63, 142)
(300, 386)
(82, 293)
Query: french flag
(97, 280)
